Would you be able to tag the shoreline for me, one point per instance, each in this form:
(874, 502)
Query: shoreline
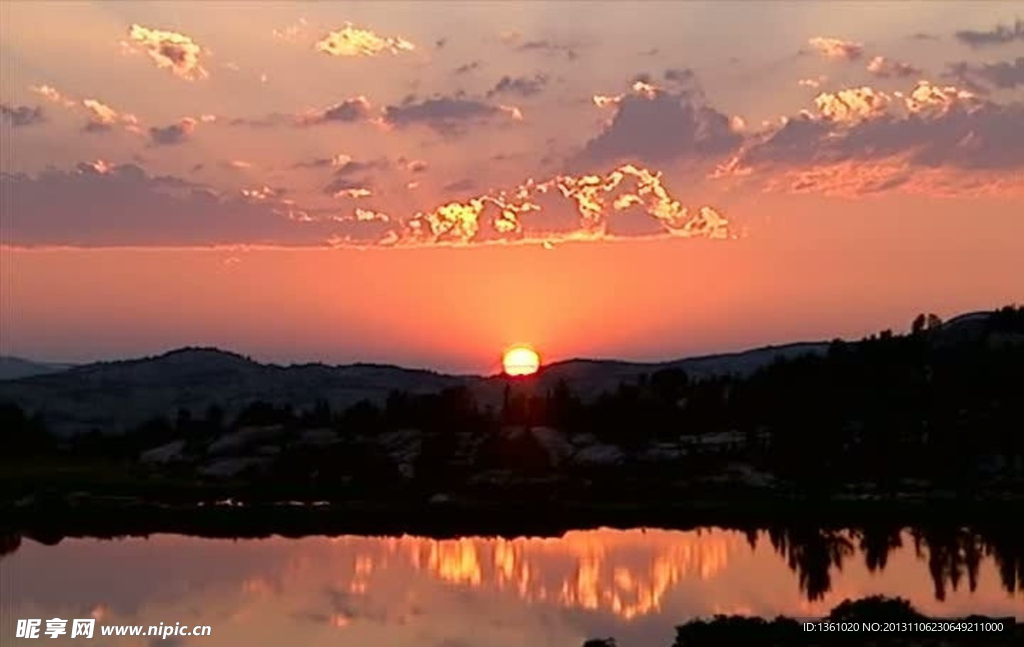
(104, 517)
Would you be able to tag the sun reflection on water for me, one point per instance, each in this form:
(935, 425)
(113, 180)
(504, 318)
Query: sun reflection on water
(626, 573)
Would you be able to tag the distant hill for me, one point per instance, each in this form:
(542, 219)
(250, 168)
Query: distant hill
(12, 368)
(112, 396)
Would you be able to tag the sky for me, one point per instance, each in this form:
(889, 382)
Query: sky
(426, 184)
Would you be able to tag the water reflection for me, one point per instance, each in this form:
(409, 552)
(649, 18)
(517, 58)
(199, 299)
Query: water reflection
(635, 585)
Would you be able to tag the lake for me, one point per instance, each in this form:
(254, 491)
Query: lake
(635, 585)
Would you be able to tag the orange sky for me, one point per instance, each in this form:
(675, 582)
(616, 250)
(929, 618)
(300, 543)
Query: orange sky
(384, 183)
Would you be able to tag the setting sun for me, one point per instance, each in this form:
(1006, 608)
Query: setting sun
(521, 360)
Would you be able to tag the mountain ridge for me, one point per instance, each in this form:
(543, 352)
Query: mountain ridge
(118, 394)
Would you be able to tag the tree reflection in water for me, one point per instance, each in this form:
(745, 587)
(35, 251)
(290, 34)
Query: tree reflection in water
(951, 554)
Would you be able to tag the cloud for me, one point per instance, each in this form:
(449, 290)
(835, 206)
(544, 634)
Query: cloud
(350, 176)
(347, 111)
(861, 140)
(652, 125)
(291, 32)
(627, 201)
(465, 184)
(174, 134)
(885, 68)
(998, 35)
(1004, 75)
(344, 186)
(543, 45)
(466, 68)
(353, 41)
(523, 86)
(837, 49)
(335, 161)
(51, 94)
(101, 204)
(680, 75)
(19, 116)
(412, 165)
(169, 50)
(446, 115)
(853, 104)
(812, 83)
(103, 118)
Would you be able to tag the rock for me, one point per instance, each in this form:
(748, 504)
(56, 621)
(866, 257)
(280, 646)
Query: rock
(229, 467)
(235, 441)
(599, 456)
(168, 453)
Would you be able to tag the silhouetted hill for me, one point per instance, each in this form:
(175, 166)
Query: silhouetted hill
(111, 396)
(12, 368)
(591, 377)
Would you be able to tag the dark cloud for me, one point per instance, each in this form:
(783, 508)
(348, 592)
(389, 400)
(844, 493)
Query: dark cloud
(19, 116)
(1003, 75)
(924, 36)
(653, 125)
(466, 68)
(102, 205)
(347, 111)
(937, 133)
(544, 45)
(988, 137)
(885, 68)
(998, 35)
(465, 184)
(174, 134)
(680, 75)
(440, 43)
(523, 86)
(445, 115)
(341, 184)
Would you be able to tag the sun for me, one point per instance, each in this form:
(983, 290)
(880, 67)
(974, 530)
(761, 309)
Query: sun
(521, 360)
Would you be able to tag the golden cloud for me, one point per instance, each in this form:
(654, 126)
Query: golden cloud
(837, 49)
(938, 100)
(169, 50)
(103, 117)
(627, 200)
(353, 41)
(51, 94)
(852, 104)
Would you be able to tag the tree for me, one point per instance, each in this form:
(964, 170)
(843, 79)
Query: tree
(918, 325)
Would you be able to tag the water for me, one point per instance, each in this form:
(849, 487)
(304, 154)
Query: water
(635, 585)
